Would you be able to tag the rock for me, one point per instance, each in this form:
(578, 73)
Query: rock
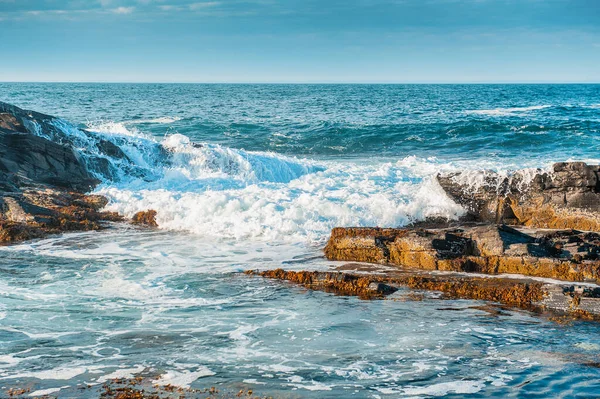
(381, 288)
(567, 197)
(147, 218)
(11, 123)
(560, 299)
(27, 160)
(338, 283)
(43, 182)
(491, 249)
(111, 149)
(34, 214)
(100, 154)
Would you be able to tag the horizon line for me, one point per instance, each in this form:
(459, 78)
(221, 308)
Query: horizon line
(300, 83)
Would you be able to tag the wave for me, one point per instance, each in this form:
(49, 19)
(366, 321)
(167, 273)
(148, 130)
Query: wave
(163, 120)
(216, 191)
(302, 209)
(507, 111)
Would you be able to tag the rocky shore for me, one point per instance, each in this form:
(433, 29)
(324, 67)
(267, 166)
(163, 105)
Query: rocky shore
(44, 182)
(520, 228)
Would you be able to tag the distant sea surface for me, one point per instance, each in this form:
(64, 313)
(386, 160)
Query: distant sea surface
(257, 177)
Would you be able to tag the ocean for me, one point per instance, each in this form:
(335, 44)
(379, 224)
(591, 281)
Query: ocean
(256, 177)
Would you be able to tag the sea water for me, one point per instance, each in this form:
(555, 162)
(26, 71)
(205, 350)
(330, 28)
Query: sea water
(254, 177)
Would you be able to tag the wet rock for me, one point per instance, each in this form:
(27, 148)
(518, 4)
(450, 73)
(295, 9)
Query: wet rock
(111, 149)
(27, 160)
(11, 122)
(336, 282)
(146, 218)
(568, 196)
(491, 249)
(43, 183)
(560, 299)
(35, 214)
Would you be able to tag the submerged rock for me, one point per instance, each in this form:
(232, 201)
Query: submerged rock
(339, 283)
(560, 299)
(567, 197)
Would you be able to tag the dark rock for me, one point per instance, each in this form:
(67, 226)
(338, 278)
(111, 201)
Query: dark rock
(567, 197)
(27, 160)
(43, 181)
(111, 149)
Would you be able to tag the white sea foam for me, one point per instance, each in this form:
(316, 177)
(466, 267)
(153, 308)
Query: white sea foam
(493, 180)
(45, 392)
(588, 346)
(444, 388)
(161, 120)
(112, 128)
(216, 191)
(507, 111)
(59, 373)
(305, 208)
(220, 192)
(121, 373)
(183, 378)
(313, 386)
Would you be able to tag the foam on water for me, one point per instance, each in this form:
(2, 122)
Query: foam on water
(215, 191)
(161, 120)
(511, 111)
(182, 378)
(211, 190)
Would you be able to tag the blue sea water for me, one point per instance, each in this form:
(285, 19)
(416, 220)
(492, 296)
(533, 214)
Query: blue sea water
(277, 167)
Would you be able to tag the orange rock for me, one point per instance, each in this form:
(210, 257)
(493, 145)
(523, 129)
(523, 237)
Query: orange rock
(147, 218)
(490, 249)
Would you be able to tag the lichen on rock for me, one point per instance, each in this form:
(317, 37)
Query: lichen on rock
(558, 299)
(146, 218)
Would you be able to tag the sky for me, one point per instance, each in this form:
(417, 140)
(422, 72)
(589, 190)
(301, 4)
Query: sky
(298, 41)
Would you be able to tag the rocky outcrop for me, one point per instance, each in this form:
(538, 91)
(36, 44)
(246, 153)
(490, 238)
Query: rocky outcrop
(566, 197)
(366, 287)
(491, 249)
(43, 182)
(532, 223)
(560, 299)
(29, 161)
(35, 214)
(146, 218)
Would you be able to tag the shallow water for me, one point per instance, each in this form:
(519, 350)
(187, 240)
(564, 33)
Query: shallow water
(280, 166)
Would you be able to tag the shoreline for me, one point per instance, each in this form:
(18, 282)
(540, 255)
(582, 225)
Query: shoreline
(504, 230)
(523, 244)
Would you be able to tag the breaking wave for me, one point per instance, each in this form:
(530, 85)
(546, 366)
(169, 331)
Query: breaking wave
(217, 191)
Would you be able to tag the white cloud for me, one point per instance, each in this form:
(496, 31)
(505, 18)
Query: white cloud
(171, 8)
(123, 10)
(200, 6)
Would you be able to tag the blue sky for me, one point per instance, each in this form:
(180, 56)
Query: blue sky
(379, 41)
